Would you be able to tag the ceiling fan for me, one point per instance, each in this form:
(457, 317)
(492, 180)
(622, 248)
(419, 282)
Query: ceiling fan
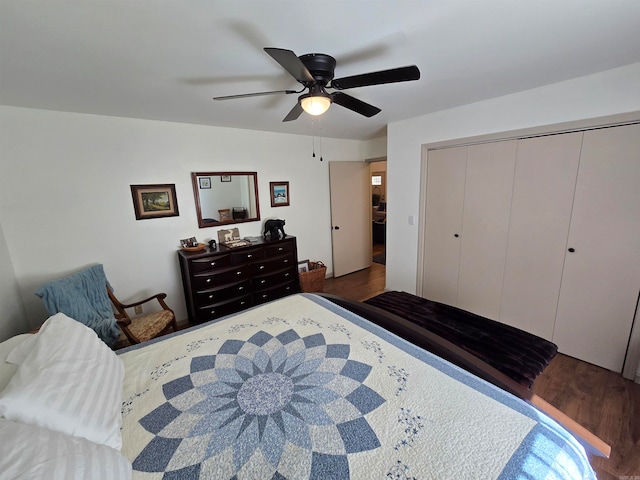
(315, 72)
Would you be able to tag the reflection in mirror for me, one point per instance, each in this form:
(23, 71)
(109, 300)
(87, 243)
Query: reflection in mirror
(224, 198)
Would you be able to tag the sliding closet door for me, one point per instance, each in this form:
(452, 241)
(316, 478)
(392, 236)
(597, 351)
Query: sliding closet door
(487, 205)
(445, 199)
(543, 189)
(602, 268)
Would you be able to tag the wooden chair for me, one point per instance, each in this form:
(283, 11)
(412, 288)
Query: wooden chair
(145, 327)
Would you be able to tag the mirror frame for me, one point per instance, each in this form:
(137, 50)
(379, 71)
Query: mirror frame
(196, 194)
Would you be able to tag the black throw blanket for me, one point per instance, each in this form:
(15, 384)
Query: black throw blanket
(514, 352)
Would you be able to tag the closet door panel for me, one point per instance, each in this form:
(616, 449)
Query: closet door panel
(544, 185)
(487, 205)
(601, 278)
(445, 197)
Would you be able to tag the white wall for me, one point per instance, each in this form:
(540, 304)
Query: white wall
(606, 93)
(12, 318)
(65, 199)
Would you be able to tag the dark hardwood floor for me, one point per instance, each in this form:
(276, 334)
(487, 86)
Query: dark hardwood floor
(600, 400)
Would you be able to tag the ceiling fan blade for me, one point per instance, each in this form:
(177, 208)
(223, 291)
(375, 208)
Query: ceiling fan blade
(258, 94)
(354, 104)
(295, 112)
(291, 63)
(402, 74)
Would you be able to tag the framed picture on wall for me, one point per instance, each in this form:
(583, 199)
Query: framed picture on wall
(205, 182)
(154, 201)
(279, 194)
(225, 178)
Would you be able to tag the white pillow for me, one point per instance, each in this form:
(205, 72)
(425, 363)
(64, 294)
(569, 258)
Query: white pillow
(69, 381)
(37, 453)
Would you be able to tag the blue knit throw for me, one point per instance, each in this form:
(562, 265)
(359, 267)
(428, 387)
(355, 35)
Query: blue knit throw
(83, 297)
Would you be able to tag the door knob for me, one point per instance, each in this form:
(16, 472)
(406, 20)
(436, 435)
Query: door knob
(336, 228)
(456, 235)
(572, 250)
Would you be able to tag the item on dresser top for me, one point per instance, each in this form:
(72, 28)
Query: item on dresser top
(275, 229)
(229, 236)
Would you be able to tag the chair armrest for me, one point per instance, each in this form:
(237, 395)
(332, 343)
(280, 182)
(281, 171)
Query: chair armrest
(158, 296)
(123, 322)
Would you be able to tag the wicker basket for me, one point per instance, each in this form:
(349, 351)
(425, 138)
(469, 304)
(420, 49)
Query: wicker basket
(313, 280)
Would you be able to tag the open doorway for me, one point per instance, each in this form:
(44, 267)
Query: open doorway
(378, 173)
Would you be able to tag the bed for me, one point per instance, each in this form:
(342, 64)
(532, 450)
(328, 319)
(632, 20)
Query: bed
(303, 388)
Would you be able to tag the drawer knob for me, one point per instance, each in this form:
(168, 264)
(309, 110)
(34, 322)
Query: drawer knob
(240, 288)
(210, 296)
(265, 295)
(213, 264)
(208, 280)
(280, 249)
(249, 255)
(287, 274)
(263, 282)
(239, 273)
(212, 312)
(261, 267)
(242, 302)
(286, 261)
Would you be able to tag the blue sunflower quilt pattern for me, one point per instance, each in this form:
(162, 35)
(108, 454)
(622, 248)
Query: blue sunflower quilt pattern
(302, 389)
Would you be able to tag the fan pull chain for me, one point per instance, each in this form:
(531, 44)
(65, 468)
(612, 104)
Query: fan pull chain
(313, 139)
(320, 129)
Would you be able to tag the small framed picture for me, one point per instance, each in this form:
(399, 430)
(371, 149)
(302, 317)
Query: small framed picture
(279, 194)
(225, 178)
(154, 201)
(205, 182)
(303, 266)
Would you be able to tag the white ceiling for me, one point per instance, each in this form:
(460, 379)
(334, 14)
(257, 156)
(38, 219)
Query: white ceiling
(166, 59)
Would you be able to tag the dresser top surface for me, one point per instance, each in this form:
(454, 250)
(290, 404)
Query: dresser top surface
(256, 242)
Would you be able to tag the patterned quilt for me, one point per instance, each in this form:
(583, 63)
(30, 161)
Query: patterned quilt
(301, 388)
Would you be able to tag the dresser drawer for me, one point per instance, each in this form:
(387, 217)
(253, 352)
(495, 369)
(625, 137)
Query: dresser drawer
(277, 292)
(279, 249)
(272, 265)
(210, 312)
(206, 280)
(247, 255)
(222, 293)
(268, 281)
(210, 263)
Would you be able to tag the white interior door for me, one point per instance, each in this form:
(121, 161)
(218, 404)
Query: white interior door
(350, 216)
(601, 275)
(543, 189)
(445, 199)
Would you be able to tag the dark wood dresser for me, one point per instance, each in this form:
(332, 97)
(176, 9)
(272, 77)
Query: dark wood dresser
(227, 280)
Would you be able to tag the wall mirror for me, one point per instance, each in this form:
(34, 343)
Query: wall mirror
(223, 198)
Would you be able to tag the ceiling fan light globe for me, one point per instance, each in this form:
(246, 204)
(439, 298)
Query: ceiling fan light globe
(315, 105)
